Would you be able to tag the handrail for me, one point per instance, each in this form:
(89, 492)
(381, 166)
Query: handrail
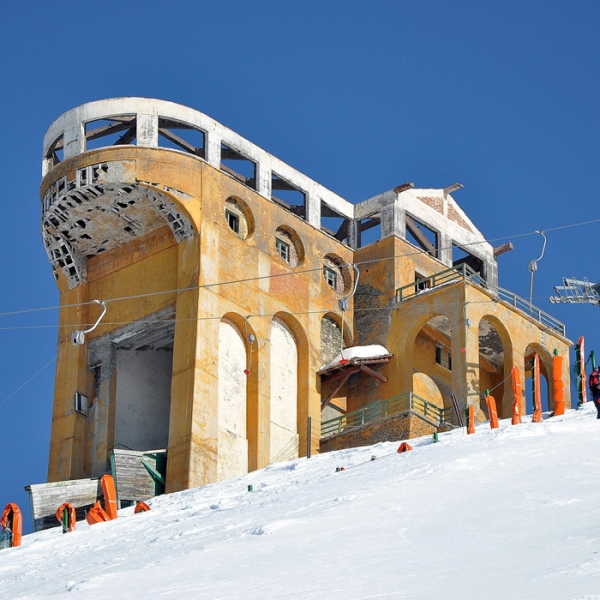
(379, 410)
(465, 273)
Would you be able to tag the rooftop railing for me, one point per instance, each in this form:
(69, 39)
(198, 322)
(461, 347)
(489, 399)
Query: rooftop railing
(465, 273)
(379, 410)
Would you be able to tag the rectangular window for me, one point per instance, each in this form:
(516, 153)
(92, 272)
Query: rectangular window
(443, 358)
(81, 403)
(421, 283)
(330, 277)
(283, 249)
(233, 221)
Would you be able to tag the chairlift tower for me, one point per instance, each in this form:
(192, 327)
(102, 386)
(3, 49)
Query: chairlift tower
(576, 291)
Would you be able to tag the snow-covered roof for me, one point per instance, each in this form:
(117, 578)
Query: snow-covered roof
(356, 353)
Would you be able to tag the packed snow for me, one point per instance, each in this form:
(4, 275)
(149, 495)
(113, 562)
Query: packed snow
(506, 513)
(373, 352)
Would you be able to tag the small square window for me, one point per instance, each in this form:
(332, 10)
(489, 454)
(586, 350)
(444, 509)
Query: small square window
(81, 403)
(330, 277)
(283, 249)
(233, 221)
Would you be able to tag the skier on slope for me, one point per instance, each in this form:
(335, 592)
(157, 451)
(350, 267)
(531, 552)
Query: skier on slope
(594, 385)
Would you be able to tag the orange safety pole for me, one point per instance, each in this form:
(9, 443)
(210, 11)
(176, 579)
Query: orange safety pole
(558, 384)
(141, 507)
(517, 395)
(582, 375)
(110, 496)
(11, 520)
(471, 419)
(537, 396)
(492, 411)
(72, 517)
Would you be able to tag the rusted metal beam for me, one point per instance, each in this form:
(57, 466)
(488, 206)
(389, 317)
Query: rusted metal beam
(183, 144)
(498, 250)
(342, 232)
(421, 238)
(126, 138)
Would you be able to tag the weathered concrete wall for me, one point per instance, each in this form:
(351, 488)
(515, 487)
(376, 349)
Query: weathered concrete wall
(143, 398)
(397, 427)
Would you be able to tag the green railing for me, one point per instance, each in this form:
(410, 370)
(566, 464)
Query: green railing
(465, 273)
(380, 410)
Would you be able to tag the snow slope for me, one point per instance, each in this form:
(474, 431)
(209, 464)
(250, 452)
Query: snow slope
(509, 513)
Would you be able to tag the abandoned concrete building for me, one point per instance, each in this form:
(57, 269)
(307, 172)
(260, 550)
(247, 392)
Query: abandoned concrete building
(222, 269)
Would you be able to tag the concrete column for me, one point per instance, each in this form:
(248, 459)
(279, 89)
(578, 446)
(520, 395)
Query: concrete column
(445, 249)
(67, 440)
(313, 210)
(465, 363)
(213, 149)
(74, 140)
(354, 236)
(263, 179)
(147, 131)
(393, 221)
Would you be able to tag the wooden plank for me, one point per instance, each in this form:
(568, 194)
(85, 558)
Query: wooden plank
(45, 498)
(372, 373)
(132, 478)
(336, 390)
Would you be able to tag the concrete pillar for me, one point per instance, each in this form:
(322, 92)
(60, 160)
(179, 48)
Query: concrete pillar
(147, 130)
(393, 221)
(313, 210)
(263, 179)
(354, 237)
(445, 249)
(74, 140)
(213, 149)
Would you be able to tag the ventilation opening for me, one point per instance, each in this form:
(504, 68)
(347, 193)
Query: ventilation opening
(369, 231)
(421, 236)
(288, 196)
(461, 256)
(421, 284)
(144, 367)
(238, 166)
(115, 131)
(180, 136)
(334, 223)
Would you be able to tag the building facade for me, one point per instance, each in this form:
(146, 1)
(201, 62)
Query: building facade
(222, 269)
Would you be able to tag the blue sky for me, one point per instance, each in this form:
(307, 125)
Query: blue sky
(360, 96)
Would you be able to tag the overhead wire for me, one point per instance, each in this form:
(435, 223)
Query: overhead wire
(297, 272)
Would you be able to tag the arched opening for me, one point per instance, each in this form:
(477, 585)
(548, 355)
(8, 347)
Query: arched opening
(492, 369)
(545, 376)
(284, 444)
(232, 442)
(432, 362)
(426, 388)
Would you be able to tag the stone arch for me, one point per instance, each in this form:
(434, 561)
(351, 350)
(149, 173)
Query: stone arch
(331, 333)
(495, 352)
(303, 383)
(242, 224)
(246, 330)
(284, 392)
(546, 369)
(425, 387)
(232, 441)
(337, 273)
(431, 357)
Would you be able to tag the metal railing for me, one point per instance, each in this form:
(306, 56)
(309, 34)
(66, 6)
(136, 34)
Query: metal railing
(465, 273)
(380, 410)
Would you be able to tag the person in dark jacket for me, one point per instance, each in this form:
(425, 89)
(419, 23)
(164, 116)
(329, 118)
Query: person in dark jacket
(594, 385)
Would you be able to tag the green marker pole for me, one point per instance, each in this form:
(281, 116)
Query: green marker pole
(65, 520)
